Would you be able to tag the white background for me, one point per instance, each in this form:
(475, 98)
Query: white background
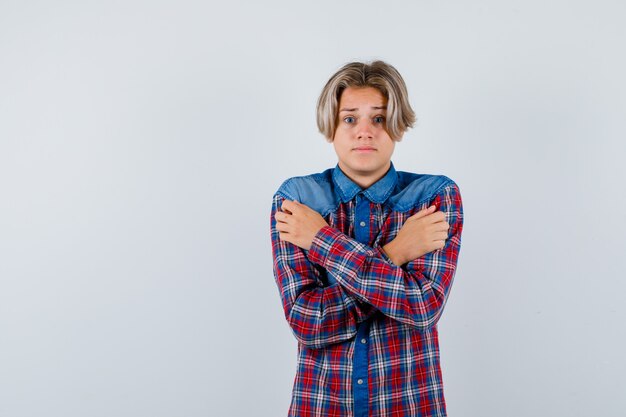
(141, 143)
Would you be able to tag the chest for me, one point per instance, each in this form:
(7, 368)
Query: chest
(373, 224)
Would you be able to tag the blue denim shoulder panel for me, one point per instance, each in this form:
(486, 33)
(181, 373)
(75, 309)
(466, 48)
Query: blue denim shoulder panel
(415, 189)
(315, 190)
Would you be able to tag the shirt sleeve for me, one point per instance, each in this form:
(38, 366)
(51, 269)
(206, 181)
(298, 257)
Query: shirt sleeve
(415, 293)
(318, 314)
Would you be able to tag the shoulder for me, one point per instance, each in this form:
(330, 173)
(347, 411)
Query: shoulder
(314, 190)
(414, 190)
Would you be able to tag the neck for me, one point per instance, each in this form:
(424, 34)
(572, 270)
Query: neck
(364, 180)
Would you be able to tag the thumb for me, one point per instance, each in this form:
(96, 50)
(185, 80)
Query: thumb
(425, 212)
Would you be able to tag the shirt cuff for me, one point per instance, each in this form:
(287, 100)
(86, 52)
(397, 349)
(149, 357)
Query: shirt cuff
(322, 243)
(384, 256)
(324, 240)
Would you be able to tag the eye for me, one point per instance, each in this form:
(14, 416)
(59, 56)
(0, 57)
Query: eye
(379, 119)
(349, 119)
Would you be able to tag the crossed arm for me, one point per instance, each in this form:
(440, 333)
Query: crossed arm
(423, 232)
(365, 279)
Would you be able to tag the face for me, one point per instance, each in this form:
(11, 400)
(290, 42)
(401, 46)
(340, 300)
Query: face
(362, 144)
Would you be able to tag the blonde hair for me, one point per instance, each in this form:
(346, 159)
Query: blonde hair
(379, 75)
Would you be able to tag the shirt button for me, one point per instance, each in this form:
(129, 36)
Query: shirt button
(360, 381)
(363, 341)
(362, 224)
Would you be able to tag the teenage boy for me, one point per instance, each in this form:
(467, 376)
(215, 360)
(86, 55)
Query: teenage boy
(364, 258)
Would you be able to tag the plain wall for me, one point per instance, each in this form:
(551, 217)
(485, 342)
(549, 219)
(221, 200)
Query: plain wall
(141, 143)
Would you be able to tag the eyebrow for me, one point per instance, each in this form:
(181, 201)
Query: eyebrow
(373, 108)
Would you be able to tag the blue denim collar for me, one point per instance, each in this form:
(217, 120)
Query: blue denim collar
(376, 193)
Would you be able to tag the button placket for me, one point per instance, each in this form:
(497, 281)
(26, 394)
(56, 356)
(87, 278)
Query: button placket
(360, 364)
(361, 218)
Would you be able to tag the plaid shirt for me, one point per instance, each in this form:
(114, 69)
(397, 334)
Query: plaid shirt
(366, 329)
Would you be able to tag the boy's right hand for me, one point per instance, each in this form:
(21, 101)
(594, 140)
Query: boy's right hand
(423, 232)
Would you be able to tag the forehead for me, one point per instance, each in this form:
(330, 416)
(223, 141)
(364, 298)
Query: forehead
(356, 97)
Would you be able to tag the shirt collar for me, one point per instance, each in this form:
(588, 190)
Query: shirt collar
(376, 193)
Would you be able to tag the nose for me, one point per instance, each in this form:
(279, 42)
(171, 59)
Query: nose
(364, 130)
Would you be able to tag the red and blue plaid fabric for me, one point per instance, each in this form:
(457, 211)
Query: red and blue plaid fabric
(366, 329)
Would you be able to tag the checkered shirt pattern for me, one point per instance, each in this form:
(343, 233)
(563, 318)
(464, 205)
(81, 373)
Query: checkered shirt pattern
(341, 283)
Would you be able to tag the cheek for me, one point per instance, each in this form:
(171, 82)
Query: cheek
(337, 145)
(390, 147)
(339, 141)
(341, 149)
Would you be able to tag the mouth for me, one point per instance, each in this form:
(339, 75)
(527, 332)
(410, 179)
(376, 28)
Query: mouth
(364, 149)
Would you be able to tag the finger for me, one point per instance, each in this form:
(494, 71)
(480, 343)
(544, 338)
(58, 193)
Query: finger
(424, 212)
(285, 236)
(281, 217)
(437, 217)
(298, 207)
(289, 206)
(302, 205)
(440, 244)
(301, 208)
(439, 226)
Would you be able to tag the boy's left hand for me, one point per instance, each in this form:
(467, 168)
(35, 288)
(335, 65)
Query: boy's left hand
(297, 223)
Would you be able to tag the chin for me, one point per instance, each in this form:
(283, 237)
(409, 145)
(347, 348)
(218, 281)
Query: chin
(367, 164)
(365, 169)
